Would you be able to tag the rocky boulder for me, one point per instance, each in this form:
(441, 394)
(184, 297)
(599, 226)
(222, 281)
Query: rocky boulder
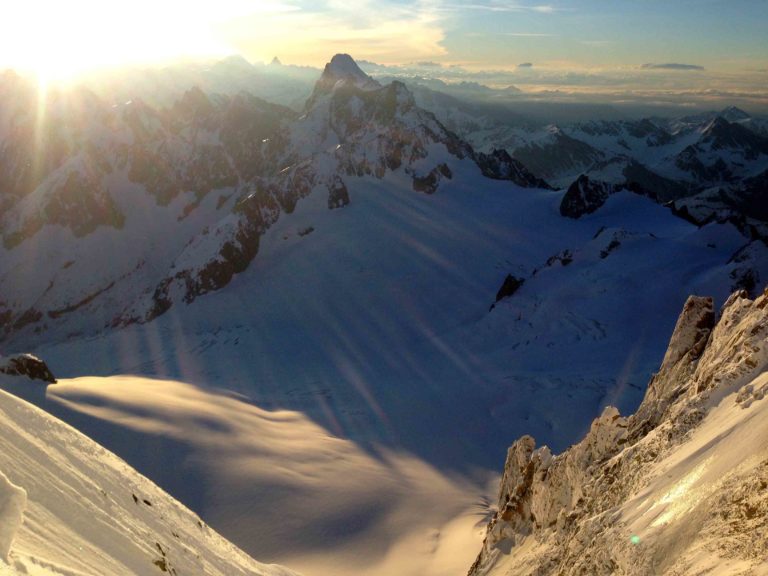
(510, 285)
(26, 365)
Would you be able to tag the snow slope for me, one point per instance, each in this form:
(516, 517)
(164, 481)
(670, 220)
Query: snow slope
(281, 486)
(89, 513)
(380, 315)
(376, 326)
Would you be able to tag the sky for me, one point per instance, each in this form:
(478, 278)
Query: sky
(594, 45)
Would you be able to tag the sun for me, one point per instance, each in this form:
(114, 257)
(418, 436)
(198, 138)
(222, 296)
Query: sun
(60, 40)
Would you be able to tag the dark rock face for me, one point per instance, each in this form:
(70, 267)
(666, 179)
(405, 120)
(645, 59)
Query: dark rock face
(585, 196)
(27, 365)
(338, 195)
(705, 162)
(499, 165)
(745, 279)
(258, 212)
(563, 153)
(754, 196)
(745, 276)
(428, 184)
(565, 258)
(653, 134)
(511, 285)
(689, 160)
(641, 180)
(169, 157)
(722, 134)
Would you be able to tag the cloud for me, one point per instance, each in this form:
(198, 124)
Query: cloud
(503, 6)
(672, 66)
(525, 65)
(367, 29)
(528, 35)
(510, 34)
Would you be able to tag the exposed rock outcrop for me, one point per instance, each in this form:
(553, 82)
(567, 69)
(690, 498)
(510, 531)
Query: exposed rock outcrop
(508, 288)
(377, 129)
(585, 196)
(580, 512)
(499, 165)
(26, 365)
(429, 184)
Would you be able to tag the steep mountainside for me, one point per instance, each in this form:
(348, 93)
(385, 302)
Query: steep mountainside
(68, 506)
(108, 197)
(186, 192)
(679, 487)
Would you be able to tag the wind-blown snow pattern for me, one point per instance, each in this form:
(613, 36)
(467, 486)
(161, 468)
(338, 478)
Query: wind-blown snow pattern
(88, 512)
(282, 487)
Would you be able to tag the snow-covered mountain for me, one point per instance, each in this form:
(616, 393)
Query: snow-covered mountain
(679, 487)
(354, 273)
(68, 506)
(187, 191)
(677, 157)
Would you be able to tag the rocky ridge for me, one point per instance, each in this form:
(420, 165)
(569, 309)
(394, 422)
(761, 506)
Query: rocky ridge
(660, 491)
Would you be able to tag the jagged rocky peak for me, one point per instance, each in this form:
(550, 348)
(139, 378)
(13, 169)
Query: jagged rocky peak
(734, 114)
(716, 126)
(689, 339)
(194, 103)
(343, 70)
(585, 196)
(676, 488)
(722, 134)
(499, 165)
(691, 331)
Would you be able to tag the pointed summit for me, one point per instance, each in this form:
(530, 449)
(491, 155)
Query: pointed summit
(343, 68)
(275, 62)
(734, 114)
